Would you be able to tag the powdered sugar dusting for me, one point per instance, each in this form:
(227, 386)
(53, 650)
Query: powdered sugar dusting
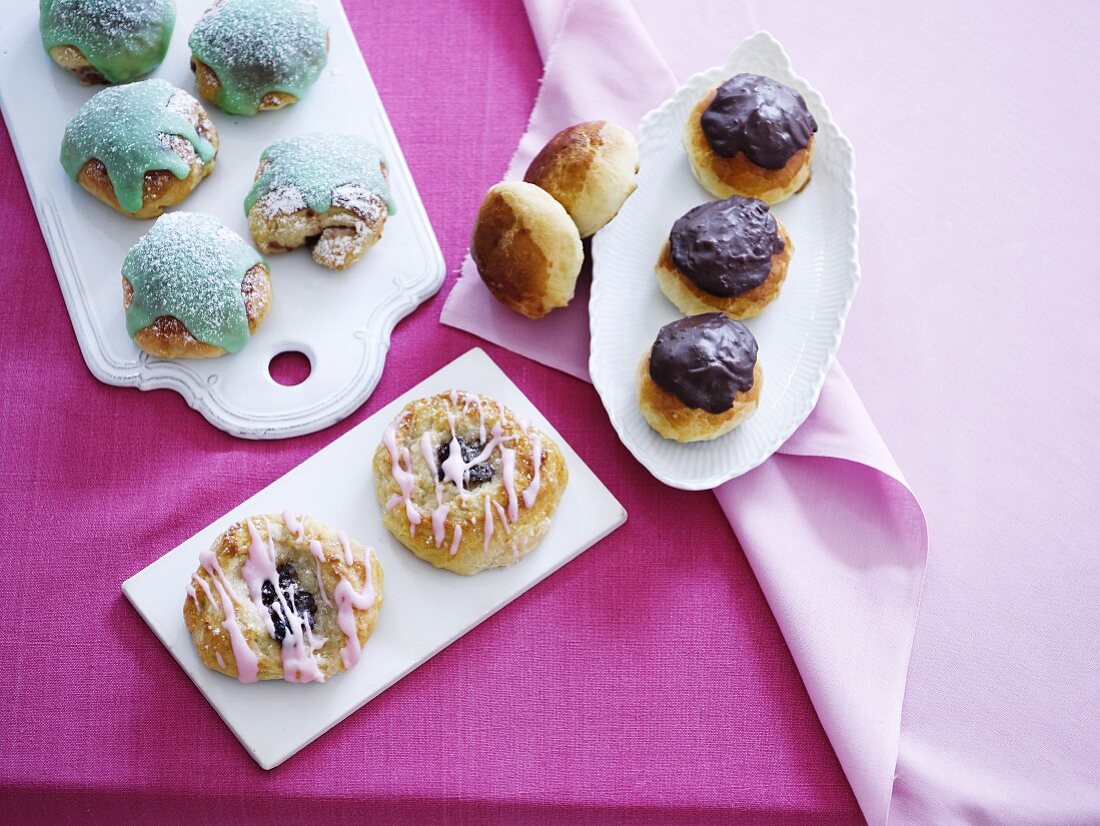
(124, 128)
(321, 170)
(191, 268)
(122, 39)
(260, 46)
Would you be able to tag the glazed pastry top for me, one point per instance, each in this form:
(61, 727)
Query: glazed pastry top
(122, 39)
(190, 267)
(318, 170)
(279, 565)
(260, 46)
(725, 247)
(704, 360)
(460, 459)
(124, 128)
(759, 116)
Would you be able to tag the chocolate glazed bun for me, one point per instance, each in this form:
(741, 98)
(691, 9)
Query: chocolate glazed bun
(730, 256)
(526, 248)
(590, 169)
(751, 136)
(700, 379)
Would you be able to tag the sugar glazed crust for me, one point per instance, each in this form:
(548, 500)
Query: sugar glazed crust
(465, 484)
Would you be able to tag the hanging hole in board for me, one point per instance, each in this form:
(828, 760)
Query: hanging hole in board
(289, 368)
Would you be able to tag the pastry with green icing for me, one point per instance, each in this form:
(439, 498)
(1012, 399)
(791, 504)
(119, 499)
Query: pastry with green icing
(107, 41)
(193, 288)
(256, 55)
(324, 189)
(140, 147)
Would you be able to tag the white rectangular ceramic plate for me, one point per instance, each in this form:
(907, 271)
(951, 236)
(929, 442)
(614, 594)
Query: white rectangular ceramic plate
(424, 609)
(340, 321)
(798, 334)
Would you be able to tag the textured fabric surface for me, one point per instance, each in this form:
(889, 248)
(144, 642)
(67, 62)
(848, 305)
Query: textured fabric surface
(975, 186)
(645, 682)
(851, 541)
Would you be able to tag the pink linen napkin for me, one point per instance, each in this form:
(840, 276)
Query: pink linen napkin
(833, 533)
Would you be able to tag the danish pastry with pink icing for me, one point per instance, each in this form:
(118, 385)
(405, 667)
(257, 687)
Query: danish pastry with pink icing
(466, 484)
(282, 597)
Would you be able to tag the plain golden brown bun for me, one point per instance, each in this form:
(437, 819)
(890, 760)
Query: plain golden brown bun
(502, 512)
(73, 60)
(318, 571)
(526, 248)
(167, 337)
(340, 236)
(161, 188)
(738, 175)
(682, 291)
(590, 170)
(208, 84)
(673, 419)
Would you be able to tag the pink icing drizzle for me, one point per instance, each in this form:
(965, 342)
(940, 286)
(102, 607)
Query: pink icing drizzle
(205, 587)
(319, 557)
(296, 526)
(247, 659)
(455, 539)
(503, 517)
(300, 663)
(347, 600)
(439, 523)
(427, 450)
(220, 659)
(508, 472)
(476, 402)
(403, 476)
(217, 570)
(194, 598)
(343, 537)
(532, 492)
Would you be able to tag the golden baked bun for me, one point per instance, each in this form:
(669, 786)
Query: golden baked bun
(705, 381)
(326, 190)
(192, 288)
(738, 174)
(527, 249)
(283, 598)
(691, 300)
(160, 188)
(590, 170)
(209, 86)
(466, 485)
(73, 60)
(169, 338)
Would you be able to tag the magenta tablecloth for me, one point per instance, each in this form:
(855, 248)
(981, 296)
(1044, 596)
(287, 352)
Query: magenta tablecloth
(647, 681)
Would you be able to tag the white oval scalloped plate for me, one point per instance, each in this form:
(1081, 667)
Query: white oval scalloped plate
(798, 334)
(341, 321)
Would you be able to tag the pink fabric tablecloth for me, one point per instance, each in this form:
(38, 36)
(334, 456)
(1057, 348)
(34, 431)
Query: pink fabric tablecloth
(597, 697)
(647, 681)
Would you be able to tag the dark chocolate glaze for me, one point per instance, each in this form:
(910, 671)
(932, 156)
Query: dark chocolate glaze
(725, 247)
(704, 360)
(759, 116)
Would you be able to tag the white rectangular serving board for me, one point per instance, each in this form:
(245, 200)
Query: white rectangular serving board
(424, 609)
(341, 321)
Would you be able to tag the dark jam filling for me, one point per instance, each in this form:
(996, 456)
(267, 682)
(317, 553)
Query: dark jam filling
(300, 602)
(476, 474)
